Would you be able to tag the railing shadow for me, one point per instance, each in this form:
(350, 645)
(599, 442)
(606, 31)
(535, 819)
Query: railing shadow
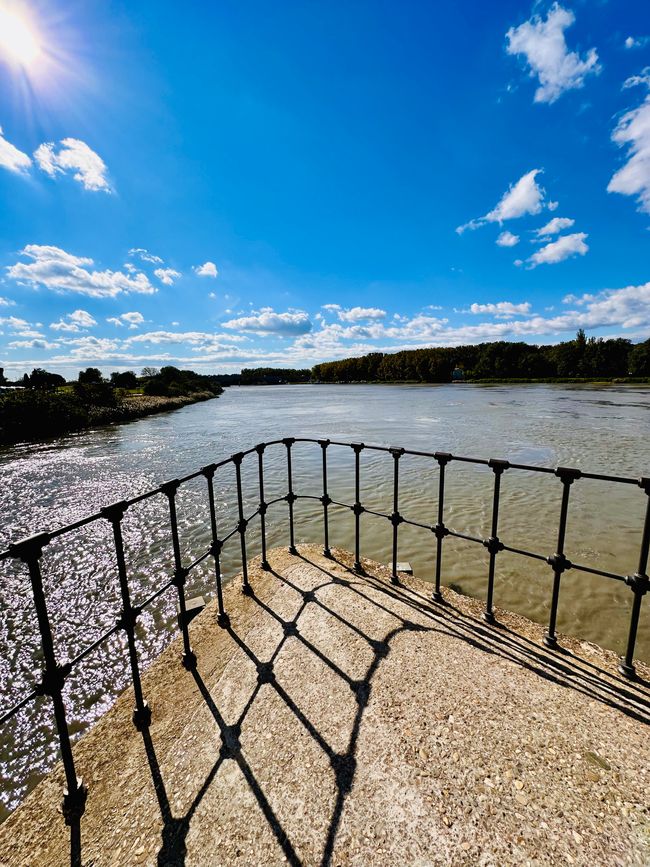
(388, 600)
(343, 764)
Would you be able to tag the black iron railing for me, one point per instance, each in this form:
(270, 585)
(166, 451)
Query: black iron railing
(55, 673)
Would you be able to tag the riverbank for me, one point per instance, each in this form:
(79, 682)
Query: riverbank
(32, 415)
(386, 728)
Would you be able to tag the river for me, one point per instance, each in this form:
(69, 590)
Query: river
(45, 485)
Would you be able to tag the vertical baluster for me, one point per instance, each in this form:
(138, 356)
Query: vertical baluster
(241, 524)
(262, 508)
(357, 508)
(640, 585)
(325, 500)
(290, 497)
(180, 574)
(558, 561)
(128, 615)
(75, 793)
(395, 519)
(217, 544)
(493, 544)
(440, 530)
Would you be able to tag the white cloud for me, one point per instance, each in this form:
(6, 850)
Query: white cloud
(55, 269)
(507, 239)
(34, 343)
(633, 131)
(167, 275)
(355, 314)
(524, 197)
(267, 321)
(132, 319)
(557, 224)
(74, 156)
(6, 302)
(559, 250)
(207, 269)
(145, 256)
(501, 309)
(193, 338)
(78, 320)
(14, 322)
(544, 46)
(11, 158)
(636, 42)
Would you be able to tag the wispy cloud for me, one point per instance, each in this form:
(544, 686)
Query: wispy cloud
(167, 275)
(267, 321)
(557, 251)
(557, 224)
(145, 256)
(132, 319)
(636, 42)
(543, 44)
(501, 309)
(525, 196)
(78, 320)
(74, 155)
(11, 158)
(55, 269)
(633, 132)
(355, 314)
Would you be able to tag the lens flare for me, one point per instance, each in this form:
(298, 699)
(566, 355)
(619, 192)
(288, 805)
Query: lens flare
(18, 41)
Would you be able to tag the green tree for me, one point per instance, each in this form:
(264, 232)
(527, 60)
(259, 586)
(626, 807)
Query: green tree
(91, 376)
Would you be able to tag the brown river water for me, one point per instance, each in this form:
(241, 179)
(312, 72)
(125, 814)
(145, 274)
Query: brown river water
(46, 485)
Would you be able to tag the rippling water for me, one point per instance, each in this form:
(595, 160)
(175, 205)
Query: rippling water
(46, 485)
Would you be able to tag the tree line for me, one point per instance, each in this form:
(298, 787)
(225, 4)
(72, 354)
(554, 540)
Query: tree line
(581, 358)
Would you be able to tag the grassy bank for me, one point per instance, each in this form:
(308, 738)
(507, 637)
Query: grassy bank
(34, 415)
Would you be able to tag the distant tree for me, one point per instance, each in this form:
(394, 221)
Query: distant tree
(639, 362)
(125, 379)
(2, 376)
(90, 376)
(150, 371)
(43, 380)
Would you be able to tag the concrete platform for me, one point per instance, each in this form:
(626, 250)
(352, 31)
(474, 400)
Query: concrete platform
(342, 720)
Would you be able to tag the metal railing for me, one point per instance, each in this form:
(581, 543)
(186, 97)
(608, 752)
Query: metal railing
(55, 673)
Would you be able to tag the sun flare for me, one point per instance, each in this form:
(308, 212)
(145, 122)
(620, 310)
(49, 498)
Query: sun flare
(18, 40)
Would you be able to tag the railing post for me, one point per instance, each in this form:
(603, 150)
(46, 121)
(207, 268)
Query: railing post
(242, 524)
(493, 544)
(75, 793)
(395, 519)
(640, 584)
(440, 530)
(290, 497)
(217, 544)
(262, 508)
(325, 500)
(129, 615)
(180, 574)
(558, 561)
(357, 508)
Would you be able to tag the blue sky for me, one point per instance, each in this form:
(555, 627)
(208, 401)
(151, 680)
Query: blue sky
(249, 183)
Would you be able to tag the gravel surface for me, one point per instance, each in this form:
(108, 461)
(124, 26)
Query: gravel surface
(342, 720)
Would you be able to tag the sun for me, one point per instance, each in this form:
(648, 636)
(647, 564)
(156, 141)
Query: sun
(18, 40)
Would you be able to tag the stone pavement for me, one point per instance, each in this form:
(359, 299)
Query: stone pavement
(341, 720)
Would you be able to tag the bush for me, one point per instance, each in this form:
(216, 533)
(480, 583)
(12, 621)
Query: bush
(23, 413)
(95, 393)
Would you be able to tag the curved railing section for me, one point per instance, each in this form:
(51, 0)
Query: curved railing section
(30, 550)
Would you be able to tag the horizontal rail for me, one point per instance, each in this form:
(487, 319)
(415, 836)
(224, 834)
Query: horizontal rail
(30, 550)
